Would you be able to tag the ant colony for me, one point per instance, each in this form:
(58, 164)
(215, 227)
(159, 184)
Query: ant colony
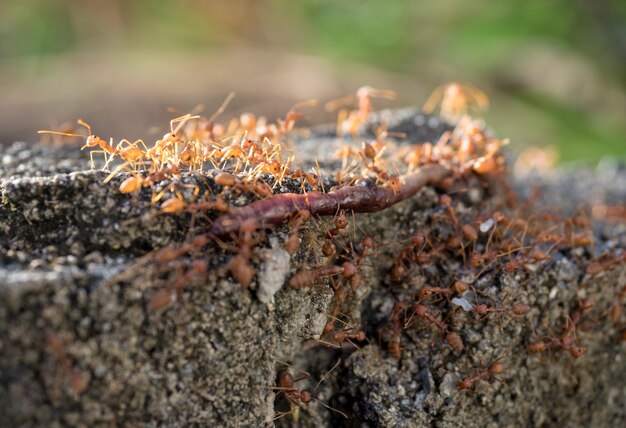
(445, 276)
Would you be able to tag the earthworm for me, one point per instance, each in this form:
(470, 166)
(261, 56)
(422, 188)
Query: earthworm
(362, 198)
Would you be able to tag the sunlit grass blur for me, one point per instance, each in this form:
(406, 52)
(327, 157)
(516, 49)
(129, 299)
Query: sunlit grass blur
(555, 70)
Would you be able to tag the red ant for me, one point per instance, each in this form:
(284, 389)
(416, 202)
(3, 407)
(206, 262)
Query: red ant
(484, 310)
(355, 279)
(298, 398)
(427, 291)
(350, 269)
(460, 287)
(293, 242)
(308, 278)
(364, 96)
(136, 182)
(562, 343)
(339, 297)
(240, 266)
(455, 99)
(349, 334)
(422, 311)
(517, 309)
(309, 178)
(76, 379)
(414, 254)
(171, 253)
(226, 179)
(91, 141)
(295, 397)
(397, 271)
(342, 335)
(349, 122)
(163, 298)
(394, 344)
(463, 232)
(293, 115)
(467, 383)
(600, 266)
(341, 224)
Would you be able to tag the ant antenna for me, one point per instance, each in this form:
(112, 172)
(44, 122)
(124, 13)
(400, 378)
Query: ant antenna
(221, 109)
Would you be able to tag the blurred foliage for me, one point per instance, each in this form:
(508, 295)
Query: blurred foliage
(480, 41)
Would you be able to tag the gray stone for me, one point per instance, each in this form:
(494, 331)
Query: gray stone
(79, 346)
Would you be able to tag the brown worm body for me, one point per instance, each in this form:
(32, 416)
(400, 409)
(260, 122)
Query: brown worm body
(360, 199)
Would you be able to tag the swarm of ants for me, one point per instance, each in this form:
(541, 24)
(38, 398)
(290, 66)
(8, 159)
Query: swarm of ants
(255, 157)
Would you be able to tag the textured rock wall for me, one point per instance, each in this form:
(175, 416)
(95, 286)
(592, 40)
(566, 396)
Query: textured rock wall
(79, 345)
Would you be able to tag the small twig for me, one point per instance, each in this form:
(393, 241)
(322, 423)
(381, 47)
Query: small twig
(360, 199)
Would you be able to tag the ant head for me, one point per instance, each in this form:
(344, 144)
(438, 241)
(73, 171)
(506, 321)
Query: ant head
(341, 222)
(305, 396)
(496, 367)
(480, 309)
(425, 292)
(499, 217)
(311, 178)
(454, 89)
(273, 167)
(91, 141)
(464, 384)
(339, 336)
(460, 287)
(367, 242)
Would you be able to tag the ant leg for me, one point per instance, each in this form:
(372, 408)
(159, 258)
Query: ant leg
(93, 164)
(113, 173)
(331, 408)
(157, 197)
(287, 365)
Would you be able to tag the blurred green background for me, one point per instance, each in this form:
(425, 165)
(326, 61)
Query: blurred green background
(555, 71)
